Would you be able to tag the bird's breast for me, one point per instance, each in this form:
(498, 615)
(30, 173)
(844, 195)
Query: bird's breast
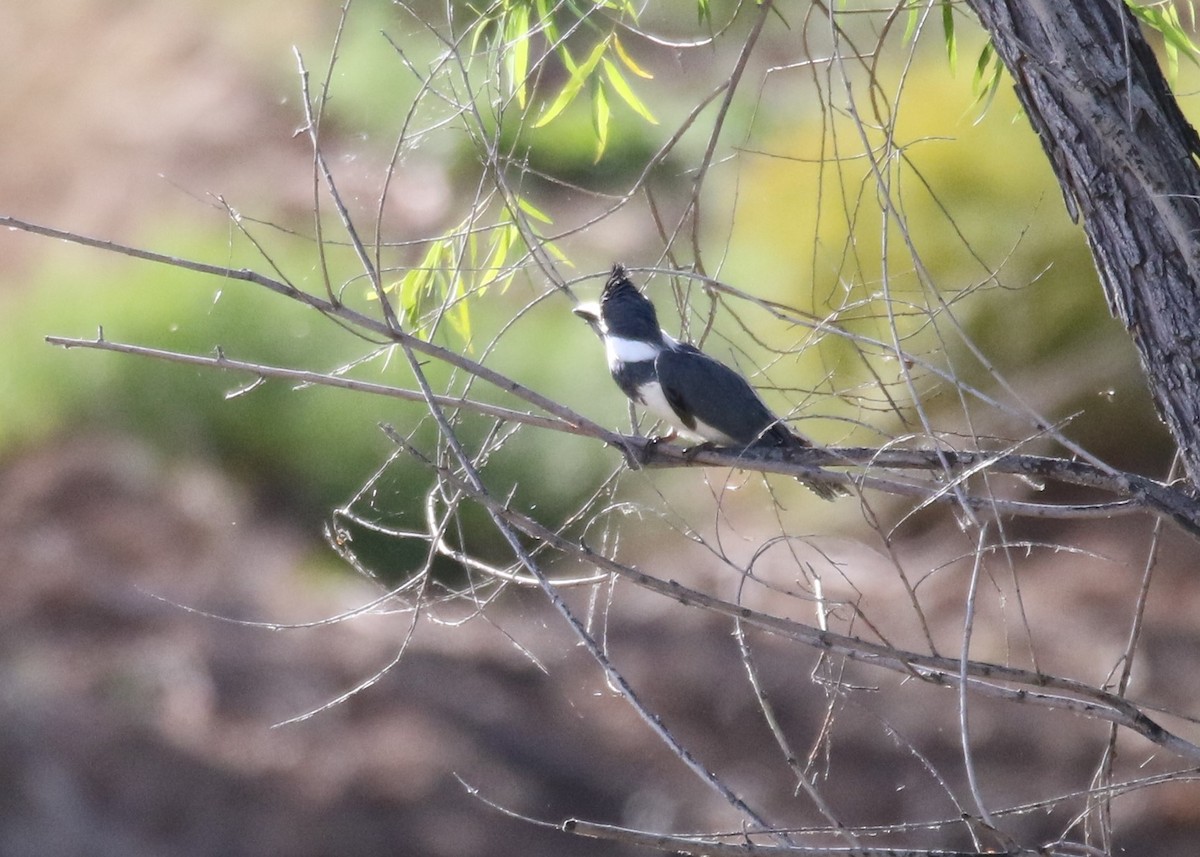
(650, 394)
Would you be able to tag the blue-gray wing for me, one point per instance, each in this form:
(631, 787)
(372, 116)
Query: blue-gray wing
(700, 388)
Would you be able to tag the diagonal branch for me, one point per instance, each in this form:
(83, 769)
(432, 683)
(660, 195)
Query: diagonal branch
(988, 679)
(1133, 492)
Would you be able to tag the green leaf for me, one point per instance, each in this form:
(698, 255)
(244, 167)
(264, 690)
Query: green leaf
(948, 30)
(533, 211)
(506, 235)
(621, 87)
(546, 22)
(600, 117)
(986, 81)
(516, 54)
(458, 312)
(1164, 18)
(573, 86)
(412, 287)
(628, 60)
(914, 18)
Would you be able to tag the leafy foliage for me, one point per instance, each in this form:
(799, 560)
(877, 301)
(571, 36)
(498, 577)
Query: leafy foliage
(1162, 16)
(514, 25)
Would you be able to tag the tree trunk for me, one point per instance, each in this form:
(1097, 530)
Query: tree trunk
(1123, 153)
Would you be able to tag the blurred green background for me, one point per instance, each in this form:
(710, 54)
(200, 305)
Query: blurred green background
(108, 151)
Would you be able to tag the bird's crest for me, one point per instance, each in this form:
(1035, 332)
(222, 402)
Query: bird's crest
(617, 282)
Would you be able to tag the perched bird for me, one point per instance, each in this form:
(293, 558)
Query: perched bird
(699, 397)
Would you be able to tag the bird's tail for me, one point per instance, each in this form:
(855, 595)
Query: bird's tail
(782, 436)
(823, 489)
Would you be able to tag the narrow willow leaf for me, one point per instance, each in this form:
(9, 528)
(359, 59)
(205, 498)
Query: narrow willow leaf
(573, 86)
(913, 18)
(499, 257)
(557, 253)
(533, 211)
(473, 249)
(628, 60)
(623, 89)
(546, 25)
(988, 73)
(412, 287)
(516, 54)
(478, 33)
(600, 116)
(981, 65)
(624, 7)
(948, 30)
(459, 312)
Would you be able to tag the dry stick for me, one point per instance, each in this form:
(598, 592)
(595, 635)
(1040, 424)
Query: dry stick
(767, 708)
(473, 485)
(304, 377)
(739, 69)
(735, 843)
(1104, 771)
(1162, 499)
(319, 163)
(1141, 490)
(963, 718)
(640, 451)
(336, 311)
(706, 845)
(1073, 695)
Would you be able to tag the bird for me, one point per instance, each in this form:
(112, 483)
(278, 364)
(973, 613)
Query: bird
(698, 396)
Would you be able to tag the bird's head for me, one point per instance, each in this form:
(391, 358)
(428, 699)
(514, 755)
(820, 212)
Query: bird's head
(623, 311)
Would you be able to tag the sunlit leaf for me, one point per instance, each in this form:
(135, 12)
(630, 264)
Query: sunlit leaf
(623, 89)
(600, 116)
(948, 31)
(1164, 18)
(986, 82)
(505, 235)
(516, 55)
(458, 312)
(628, 60)
(546, 24)
(573, 86)
(412, 288)
(478, 33)
(533, 211)
(912, 19)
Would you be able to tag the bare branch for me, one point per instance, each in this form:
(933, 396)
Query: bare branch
(994, 680)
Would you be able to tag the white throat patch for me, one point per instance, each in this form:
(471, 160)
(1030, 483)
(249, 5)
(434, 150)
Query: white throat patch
(620, 350)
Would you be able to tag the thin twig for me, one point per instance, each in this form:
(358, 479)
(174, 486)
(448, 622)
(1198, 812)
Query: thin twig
(742, 847)
(994, 680)
(474, 486)
(1136, 492)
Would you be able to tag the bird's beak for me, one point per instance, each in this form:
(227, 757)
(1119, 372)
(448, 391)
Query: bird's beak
(589, 312)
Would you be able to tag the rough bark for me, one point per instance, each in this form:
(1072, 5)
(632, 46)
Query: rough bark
(1125, 157)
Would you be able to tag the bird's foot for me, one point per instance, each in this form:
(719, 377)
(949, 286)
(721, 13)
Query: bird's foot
(692, 451)
(655, 440)
(638, 455)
